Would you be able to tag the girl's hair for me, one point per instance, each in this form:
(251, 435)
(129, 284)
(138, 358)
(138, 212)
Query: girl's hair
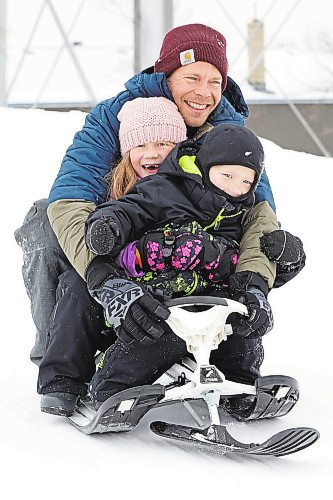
(121, 178)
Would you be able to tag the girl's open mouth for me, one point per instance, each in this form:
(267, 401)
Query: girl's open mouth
(151, 167)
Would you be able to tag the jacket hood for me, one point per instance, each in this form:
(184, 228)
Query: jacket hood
(180, 162)
(183, 163)
(231, 144)
(154, 83)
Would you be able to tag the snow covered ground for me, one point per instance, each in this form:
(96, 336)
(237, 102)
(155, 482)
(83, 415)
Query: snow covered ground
(43, 457)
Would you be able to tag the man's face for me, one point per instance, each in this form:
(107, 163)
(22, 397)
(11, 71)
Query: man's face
(196, 89)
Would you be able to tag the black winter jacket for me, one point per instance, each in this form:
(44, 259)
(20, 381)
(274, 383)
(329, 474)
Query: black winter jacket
(173, 195)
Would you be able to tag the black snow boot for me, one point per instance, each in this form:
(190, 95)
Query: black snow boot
(59, 403)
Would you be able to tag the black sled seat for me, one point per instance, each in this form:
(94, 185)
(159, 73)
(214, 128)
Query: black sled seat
(275, 396)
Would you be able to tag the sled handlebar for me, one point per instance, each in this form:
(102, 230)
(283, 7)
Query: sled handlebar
(196, 300)
(202, 330)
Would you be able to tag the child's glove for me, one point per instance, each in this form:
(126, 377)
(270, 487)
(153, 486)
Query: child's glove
(132, 311)
(282, 247)
(194, 250)
(287, 251)
(220, 269)
(187, 248)
(161, 248)
(154, 250)
(100, 234)
(251, 290)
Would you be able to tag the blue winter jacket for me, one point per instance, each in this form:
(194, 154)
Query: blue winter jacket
(96, 148)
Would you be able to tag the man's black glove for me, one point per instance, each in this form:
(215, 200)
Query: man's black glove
(251, 290)
(100, 234)
(134, 313)
(287, 251)
(282, 247)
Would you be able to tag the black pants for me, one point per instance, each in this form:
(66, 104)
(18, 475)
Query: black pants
(76, 334)
(43, 263)
(128, 366)
(74, 338)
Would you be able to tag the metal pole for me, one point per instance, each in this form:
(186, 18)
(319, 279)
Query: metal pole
(301, 119)
(57, 58)
(278, 29)
(236, 26)
(152, 20)
(2, 52)
(168, 15)
(72, 55)
(25, 51)
(137, 36)
(291, 105)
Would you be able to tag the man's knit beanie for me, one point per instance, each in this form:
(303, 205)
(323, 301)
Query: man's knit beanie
(192, 43)
(230, 144)
(149, 119)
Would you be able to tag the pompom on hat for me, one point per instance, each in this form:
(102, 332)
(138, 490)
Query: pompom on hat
(192, 43)
(149, 119)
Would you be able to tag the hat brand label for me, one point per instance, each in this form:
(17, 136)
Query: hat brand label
(187, 57)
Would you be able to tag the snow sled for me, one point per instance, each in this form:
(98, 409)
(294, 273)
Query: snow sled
(201, 323)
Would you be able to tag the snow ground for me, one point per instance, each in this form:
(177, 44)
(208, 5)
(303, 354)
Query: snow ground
(44, 457)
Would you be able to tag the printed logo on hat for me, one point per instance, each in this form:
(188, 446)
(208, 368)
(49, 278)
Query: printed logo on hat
(187, 57)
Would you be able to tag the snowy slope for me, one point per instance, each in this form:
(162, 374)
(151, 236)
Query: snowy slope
(44, 457)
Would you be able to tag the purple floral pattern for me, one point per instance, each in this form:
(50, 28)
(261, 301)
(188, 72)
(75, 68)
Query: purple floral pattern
(155, 256)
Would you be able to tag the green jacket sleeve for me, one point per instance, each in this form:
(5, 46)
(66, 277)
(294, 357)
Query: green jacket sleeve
(257, 221)
(67, 219)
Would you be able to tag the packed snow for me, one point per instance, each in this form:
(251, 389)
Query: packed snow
(44, 457)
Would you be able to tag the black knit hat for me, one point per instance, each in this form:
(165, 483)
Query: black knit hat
(231, 145)
(191, 43)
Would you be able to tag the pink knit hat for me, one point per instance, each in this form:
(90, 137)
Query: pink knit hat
(191, 43)
(149, 119)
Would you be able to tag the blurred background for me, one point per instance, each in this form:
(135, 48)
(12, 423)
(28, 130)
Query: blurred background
(62, 55)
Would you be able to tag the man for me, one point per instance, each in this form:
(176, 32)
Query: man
(192, 71)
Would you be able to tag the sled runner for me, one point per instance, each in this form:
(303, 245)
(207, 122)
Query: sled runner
(217, 438)
(201, 323)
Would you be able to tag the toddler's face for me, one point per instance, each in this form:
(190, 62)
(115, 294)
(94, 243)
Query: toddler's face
(235, 180)
(147, 158)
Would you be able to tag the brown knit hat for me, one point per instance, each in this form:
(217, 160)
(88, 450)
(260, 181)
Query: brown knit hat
(191, 43)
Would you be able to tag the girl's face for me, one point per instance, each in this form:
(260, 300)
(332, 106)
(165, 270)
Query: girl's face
(235, 180)
(147, 158)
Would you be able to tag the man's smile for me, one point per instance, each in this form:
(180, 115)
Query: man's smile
(196, 105)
